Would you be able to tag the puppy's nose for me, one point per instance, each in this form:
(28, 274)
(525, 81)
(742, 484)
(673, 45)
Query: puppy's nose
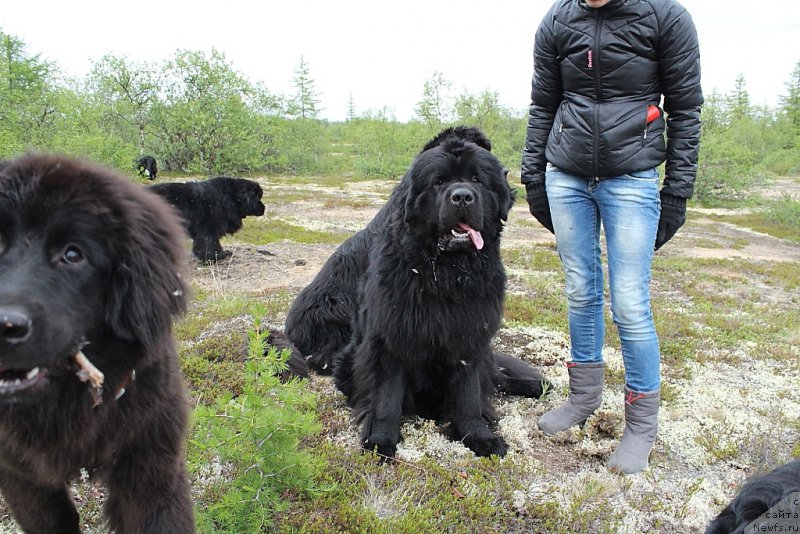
(15, 325)
(461, 197)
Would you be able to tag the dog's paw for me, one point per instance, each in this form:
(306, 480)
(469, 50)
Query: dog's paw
(539, 388)
(385, 448)
(487, 446)
(381, 442)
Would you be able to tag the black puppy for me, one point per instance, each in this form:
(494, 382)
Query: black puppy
(213, 208)
(756, 497)
(146, 165)
(89, 372)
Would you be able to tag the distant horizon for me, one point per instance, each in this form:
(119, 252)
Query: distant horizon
(383, 56)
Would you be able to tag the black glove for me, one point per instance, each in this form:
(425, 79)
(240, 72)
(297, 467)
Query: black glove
(673, 215)
(536, 195)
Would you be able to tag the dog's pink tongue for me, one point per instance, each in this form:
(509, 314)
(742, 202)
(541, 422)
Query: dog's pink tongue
(474, 235)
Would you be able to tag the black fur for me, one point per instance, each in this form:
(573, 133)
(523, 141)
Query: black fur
(320, 319)
(213, 208)
(89, 261)
(146, 165)
(410, 312)
(757, 496)
(296, 365)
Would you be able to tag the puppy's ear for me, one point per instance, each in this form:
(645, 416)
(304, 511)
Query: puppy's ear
(146, 289)
(507, 196)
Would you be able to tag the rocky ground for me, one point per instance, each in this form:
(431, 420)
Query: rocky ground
(739, 398)
(727, 399)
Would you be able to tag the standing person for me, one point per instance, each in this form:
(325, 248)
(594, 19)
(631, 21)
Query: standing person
(595, 136)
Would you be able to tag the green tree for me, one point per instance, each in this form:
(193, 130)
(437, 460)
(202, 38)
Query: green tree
(128, 92)
(204, 123)
(503, 128)
(27, 96)
(306, 100)
(790, 102)
(739, 99)
(435, 108)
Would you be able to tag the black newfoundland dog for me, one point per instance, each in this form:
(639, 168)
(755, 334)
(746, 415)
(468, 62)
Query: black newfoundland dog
(147, 167)
(213, 208)
(759, 495)
(89, 374)
(404, 311)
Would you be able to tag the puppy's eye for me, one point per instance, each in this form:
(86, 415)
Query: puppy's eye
(72, 255)
(476, 179)
(439, 182)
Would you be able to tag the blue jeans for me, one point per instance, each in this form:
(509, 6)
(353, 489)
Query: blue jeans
(629, 208)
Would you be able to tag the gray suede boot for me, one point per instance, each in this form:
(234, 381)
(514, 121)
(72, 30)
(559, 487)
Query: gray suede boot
(641, 427)
(585, 396)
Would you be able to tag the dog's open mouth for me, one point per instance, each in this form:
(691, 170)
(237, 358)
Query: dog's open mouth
(463, 235)
(18, 380)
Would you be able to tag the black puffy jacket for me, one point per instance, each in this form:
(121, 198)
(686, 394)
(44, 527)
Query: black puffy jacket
(596, 71)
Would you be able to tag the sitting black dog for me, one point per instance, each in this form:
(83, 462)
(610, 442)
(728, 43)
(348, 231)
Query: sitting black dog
(756, 497)
(213, 208)
(404, 311)
(146, 165)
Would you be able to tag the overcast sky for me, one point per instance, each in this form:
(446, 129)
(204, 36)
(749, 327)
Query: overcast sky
(382, 53)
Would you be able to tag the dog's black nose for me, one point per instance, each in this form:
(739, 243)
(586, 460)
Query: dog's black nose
(462, 197)
(15, 325)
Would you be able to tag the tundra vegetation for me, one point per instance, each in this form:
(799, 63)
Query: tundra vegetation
(272, 456)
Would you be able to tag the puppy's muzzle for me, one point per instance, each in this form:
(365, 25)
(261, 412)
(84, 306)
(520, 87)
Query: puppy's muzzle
(15, 325)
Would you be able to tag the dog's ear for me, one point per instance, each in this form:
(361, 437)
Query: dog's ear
(411, 207)
(146, 289)
(507, 196)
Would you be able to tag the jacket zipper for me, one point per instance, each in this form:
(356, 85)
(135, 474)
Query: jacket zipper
(599, 88)
(646, 124)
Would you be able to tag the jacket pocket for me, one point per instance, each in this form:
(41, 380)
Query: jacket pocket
(653, 118)
(558, 123)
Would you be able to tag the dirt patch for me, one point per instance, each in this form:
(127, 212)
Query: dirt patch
(719, 401)
(686, 485)
(706, 238)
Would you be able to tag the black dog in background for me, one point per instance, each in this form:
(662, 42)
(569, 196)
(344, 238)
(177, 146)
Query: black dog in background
(213, 208)
(404, 311)
(756, 497)
(89, 372)
(146, 165)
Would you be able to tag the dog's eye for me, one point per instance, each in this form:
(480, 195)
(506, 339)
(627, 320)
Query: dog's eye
(476, 179)
(72, 255)
(440, 182)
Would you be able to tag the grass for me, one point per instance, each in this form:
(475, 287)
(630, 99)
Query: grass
(275, 457)
(272, 229)
(779, 218)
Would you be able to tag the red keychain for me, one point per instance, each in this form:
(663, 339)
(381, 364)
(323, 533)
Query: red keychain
(652, 113)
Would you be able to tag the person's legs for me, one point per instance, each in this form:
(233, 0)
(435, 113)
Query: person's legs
(630, 208)
(576, 221)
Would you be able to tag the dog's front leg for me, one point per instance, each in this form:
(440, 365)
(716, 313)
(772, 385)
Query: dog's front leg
(148, 486)
(469, 423)
(37, 509)
(381, 430)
